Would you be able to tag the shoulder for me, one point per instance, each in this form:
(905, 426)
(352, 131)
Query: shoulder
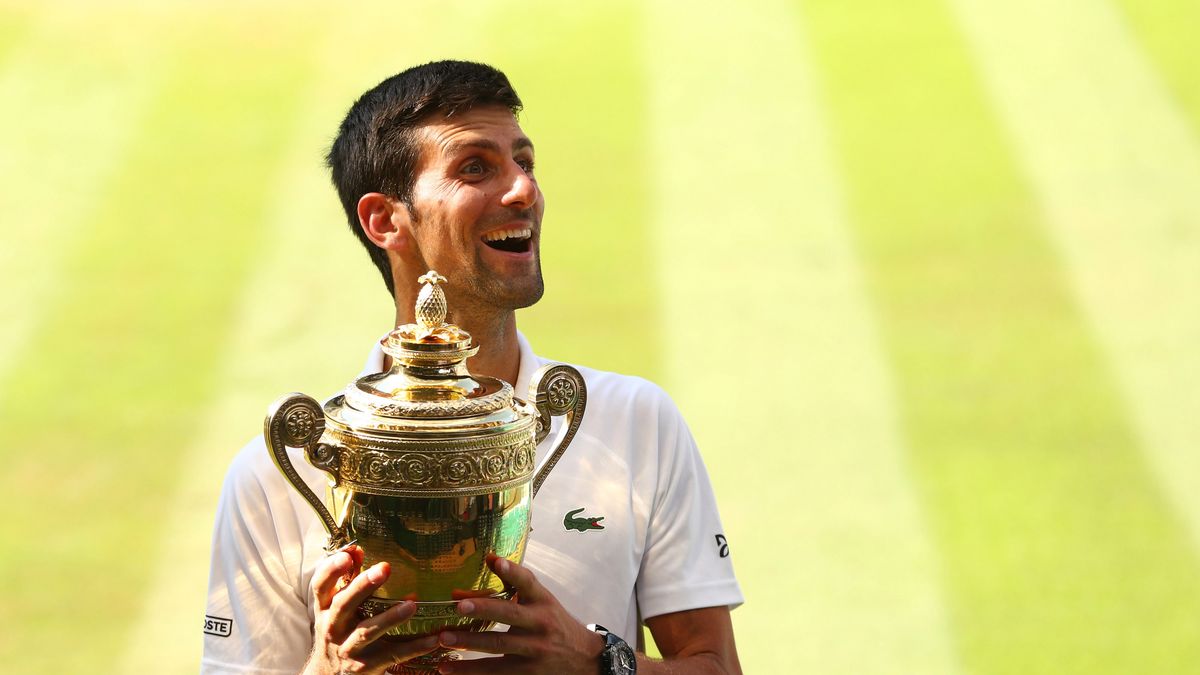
(263, 523)
(631, 413)
(627, 395)
(252, 474)
(257, 499)
(252, 484)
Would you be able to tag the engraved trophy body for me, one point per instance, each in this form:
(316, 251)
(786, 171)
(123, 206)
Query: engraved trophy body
(431, 468)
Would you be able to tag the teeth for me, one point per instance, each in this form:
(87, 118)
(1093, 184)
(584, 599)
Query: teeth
(521, 233)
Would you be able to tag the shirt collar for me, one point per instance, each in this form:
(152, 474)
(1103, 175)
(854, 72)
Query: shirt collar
(529, 365)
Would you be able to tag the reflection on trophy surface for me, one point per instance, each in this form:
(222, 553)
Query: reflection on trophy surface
(431, 468)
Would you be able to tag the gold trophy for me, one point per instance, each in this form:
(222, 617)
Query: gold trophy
(431, 468)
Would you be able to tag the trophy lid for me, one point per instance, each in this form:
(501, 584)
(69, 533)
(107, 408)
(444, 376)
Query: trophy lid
(428, 389)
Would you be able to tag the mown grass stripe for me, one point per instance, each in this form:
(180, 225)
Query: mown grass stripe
(774, 357)
(1060, 554)
(1117, 168)
(1167, 31)
(96, 410)
(14, 25)
(64, 127)
(584, 115)
(298, 326)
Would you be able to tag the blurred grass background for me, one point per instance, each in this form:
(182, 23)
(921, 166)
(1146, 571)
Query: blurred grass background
(924, 277)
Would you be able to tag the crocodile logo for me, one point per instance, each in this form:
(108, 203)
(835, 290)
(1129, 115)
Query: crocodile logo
(581, 524)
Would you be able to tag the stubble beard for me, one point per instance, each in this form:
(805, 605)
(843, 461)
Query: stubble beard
(503, 293)
(480, 289)
(507, 294)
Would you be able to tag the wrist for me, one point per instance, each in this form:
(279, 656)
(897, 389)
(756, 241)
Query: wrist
(595, 643)
(615, 656)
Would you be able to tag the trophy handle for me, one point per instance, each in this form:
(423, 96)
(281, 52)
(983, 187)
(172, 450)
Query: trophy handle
(297, 420)
(556, 390)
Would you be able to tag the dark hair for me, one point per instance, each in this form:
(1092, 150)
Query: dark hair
(376, 149)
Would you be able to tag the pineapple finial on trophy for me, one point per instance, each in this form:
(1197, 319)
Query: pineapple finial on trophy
(431, 302)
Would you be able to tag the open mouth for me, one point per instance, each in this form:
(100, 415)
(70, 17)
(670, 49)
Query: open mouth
(516, 240)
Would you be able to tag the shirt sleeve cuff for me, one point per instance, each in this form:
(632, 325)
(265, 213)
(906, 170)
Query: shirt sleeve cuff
(679, 598)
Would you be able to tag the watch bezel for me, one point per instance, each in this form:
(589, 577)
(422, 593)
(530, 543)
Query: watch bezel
(615, 647)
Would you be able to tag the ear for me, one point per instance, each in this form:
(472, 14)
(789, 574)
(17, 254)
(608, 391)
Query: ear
(386, 221)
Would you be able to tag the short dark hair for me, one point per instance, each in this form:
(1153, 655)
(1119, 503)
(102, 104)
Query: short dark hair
(376, 149)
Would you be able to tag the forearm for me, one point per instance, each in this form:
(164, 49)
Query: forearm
(697, 664)
(694, 642)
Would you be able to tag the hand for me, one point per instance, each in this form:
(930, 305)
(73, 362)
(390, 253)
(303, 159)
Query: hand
(343, 644)
(543, 637)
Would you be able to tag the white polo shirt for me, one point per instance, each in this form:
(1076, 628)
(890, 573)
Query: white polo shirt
(633, 463)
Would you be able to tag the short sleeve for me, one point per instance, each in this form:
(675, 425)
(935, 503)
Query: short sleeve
(686, 564)
(257, 618)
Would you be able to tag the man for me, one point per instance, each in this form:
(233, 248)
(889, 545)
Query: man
(434, 172)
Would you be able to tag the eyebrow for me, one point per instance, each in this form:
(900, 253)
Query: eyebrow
(486, 144)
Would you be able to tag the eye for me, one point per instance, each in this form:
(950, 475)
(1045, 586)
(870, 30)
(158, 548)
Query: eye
(473, 167)
(526, 165)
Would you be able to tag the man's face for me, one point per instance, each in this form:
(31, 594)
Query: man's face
(477, 209)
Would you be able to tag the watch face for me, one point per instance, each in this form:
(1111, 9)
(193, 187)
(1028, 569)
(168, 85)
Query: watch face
(617, 657)
(623, 660)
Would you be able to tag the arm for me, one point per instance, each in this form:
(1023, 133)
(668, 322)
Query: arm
(255, 592)
(258, 600)
(545, 638)
(694, 641)
(686, 563)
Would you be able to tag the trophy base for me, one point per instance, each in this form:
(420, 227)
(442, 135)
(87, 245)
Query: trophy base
(423, 665)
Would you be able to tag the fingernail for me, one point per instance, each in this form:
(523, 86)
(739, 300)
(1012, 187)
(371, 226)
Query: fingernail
(402, 607)
(501, 565)
(466, 607)
(449, 638)
(375, 574)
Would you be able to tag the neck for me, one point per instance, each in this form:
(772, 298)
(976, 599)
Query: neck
(495, 332)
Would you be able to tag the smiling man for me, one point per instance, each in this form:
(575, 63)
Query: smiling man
(434, 172)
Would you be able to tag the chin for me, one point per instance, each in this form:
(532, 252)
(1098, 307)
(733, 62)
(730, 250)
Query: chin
(531, 299)
(509, 294)
(527, 296)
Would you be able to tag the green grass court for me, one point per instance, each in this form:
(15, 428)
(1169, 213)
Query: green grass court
(924, 277)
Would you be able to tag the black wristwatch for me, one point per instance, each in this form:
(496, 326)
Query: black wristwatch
(617, 658)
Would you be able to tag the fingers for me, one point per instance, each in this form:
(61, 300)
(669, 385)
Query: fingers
(357, 554)
(502, 665)
(520, 578)
(381, 656)
(490, 642)
(344, 605)
(327, 574)
(399, 652)
(370, 630)
(515, 614)
(500, 611)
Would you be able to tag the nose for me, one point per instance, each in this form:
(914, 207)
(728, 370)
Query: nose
(522, 191)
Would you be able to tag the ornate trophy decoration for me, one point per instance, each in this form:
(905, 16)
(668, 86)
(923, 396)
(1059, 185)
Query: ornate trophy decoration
(431, 468)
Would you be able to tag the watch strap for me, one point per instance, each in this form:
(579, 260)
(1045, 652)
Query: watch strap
(617, 658)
